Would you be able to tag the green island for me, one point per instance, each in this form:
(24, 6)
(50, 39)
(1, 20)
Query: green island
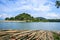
(25, 17)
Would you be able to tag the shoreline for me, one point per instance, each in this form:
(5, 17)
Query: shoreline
(28, 30)
(11, 21)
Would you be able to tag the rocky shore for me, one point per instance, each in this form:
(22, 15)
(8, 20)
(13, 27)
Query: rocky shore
(29, 35)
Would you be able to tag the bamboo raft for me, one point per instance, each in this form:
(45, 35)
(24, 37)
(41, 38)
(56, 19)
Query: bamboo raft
(26, 35)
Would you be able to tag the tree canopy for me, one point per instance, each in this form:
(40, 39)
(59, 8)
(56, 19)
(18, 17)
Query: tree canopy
(25, 17)
(57, 3)
(6, 18)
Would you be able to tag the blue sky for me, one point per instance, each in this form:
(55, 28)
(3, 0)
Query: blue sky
(36, 8)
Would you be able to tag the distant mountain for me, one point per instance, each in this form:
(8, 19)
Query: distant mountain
(40, 17)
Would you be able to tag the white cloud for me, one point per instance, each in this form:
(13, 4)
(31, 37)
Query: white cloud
(23, 2)
(35, 5)
(4, 15)
(43, 8)
(35, 15)
(53, 16)
(39, 5)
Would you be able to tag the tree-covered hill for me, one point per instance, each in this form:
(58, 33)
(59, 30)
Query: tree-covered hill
(25, 17)
(28, 18)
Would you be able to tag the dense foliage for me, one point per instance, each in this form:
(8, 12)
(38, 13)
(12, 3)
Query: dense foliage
(23, 16)
(7, 18)
(54, 20)
(56, 36)
(58, 4)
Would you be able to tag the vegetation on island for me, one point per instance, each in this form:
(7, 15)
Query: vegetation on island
(28, 18)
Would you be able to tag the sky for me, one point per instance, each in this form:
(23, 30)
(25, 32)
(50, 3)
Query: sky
(36, 8)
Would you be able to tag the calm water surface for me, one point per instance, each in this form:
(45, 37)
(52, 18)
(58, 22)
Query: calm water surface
(30, 25)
